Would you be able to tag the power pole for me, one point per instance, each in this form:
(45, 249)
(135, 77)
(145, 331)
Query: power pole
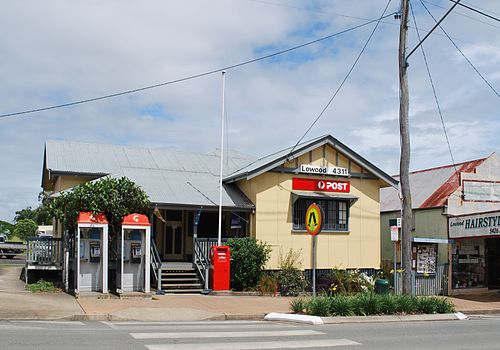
(404, 163)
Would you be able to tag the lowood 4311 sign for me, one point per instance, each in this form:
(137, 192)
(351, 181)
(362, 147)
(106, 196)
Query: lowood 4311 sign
(314, 219)
(321, 185)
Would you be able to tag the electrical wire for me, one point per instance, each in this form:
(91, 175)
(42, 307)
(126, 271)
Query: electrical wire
(463, 55)
(344, 80)
(148, 87)
(433, 28)
(477, 11)
(464, 15)
(434, 91)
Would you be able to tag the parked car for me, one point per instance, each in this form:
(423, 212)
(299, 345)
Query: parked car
(10, 249)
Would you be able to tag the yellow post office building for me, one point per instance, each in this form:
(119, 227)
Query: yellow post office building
(265, 198)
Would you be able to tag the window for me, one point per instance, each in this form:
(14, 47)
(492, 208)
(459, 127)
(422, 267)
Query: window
(336, 214)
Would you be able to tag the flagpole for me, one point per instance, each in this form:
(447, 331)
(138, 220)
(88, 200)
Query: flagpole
(219, 236)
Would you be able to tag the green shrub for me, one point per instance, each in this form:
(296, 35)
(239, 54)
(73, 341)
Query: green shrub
(388, 304)
(341, 305)
(248, 258)
(433, 305)
(369, 303)
(346, 282)
(406, 304)
(319, 306)
(268, 285)
(290, 278)
(42, 286)
(366, 304)
(298, 305)
(444, 306)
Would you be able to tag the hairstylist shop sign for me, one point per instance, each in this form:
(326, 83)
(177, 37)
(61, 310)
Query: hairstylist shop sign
(478, 225)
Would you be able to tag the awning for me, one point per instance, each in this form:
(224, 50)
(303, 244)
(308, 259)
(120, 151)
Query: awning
(324, 195)
(431, 240)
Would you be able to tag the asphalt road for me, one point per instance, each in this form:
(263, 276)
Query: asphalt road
(16, 260)
(470, 334)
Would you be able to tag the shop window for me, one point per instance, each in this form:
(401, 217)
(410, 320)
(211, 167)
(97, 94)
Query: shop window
(468, 263)
(336, 214)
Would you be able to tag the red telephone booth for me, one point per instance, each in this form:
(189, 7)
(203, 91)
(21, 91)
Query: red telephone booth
(220, 268)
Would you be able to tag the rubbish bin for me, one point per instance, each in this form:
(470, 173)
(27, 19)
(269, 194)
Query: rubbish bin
(382, 286)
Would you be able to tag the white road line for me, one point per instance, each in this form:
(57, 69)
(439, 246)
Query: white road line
(128, 323)
(323, 343)
(170, 328)
(185, 335)
(72, 323)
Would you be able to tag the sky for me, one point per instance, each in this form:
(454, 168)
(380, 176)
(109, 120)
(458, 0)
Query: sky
(55, 52)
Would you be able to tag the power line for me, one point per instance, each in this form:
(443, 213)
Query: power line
(148, 87)
(345, 78)
(434, 91)
(463, 15)
(463, 55)
(477, 11)
(433, 28)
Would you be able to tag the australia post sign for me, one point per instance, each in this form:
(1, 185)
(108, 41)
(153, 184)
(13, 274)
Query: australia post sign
(321, 185)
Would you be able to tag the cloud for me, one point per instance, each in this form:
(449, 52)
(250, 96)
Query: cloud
(58, 51)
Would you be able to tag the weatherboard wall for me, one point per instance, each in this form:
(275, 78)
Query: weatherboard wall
(272, 221)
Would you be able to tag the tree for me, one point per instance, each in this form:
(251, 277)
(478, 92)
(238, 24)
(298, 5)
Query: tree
(26, 213)
(6, 228)
(25, 228)
(113, 197)
(41, 215)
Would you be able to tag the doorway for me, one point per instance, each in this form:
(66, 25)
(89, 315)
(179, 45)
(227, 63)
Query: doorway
(173, 249)
(493, 262)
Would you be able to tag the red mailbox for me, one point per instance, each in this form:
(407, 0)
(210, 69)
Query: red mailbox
(219, 268)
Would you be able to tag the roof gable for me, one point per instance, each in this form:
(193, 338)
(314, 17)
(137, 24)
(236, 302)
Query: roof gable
(279, 158)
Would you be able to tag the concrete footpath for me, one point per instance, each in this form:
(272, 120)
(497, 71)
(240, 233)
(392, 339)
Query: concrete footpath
(17, 303)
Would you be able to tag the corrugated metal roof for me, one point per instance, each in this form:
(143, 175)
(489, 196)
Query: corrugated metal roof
(186, 188)
(168, 176)
(89, 158)
(429, 188)
(276, 159)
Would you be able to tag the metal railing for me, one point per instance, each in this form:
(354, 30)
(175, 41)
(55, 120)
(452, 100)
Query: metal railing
(44, 251)
(201, 257)
(156, 264)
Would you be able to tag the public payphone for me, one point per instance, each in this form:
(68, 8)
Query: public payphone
(92, 253)
(134, 262)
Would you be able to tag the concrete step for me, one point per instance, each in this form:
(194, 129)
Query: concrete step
(167, 286)
(181, 274)
(183, 291)
(184, 279)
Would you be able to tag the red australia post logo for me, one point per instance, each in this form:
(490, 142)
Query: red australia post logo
(321, 185)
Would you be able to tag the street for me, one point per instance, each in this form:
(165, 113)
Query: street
(479, 333)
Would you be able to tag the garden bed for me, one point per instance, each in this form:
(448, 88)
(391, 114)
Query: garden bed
(369, 303)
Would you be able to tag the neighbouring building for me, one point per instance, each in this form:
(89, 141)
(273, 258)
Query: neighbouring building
(265, 198)
(455, 228)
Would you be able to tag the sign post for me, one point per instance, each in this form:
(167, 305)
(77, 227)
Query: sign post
(395, 239)
(314, 223)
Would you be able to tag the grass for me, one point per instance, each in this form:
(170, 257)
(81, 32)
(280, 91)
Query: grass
(369, 303)
(42, 286)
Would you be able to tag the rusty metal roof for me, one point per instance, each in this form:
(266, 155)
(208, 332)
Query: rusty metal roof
(430, 188)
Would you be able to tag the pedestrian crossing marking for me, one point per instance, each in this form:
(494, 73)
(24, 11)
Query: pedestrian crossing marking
(184, 335)
(321, 343)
